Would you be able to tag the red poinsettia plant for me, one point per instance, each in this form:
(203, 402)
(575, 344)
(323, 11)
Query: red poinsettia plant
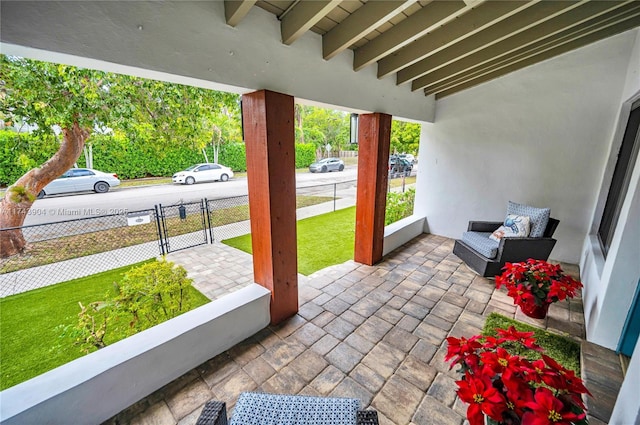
(510, 389)
(537, 283)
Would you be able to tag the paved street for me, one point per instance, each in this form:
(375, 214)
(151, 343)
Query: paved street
(122, 200)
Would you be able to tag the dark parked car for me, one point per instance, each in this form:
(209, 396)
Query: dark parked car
(327, 164)
(399, 167)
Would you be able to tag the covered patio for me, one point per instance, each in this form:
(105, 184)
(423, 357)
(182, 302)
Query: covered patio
(527, 101)
(376, 333)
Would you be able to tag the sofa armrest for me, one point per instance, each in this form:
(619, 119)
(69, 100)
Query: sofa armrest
(483, 226)
(514, 250)
(213, 413)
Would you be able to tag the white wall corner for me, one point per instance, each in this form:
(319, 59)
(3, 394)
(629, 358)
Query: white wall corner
(402, 231)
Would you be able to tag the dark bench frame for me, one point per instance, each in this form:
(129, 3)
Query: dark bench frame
(215, 413)
(510, 250)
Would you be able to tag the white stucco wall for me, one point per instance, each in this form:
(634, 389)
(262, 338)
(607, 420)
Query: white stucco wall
(539, 136)
(610, 283)
(191, 39)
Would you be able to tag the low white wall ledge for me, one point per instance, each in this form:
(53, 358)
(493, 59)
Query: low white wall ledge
(402, 231)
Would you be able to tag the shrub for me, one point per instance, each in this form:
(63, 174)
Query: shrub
(305, 154)
(399, 206)
(148, 295)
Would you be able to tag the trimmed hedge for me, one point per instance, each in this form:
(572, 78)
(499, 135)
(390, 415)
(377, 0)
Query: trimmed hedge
(305, 154)
(20, 152)
(129, 159)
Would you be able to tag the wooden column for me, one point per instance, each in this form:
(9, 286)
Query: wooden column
(374, 138)
(268, 120)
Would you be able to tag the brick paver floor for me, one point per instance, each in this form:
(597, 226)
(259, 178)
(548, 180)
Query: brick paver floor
(216, 269)
(376, 333)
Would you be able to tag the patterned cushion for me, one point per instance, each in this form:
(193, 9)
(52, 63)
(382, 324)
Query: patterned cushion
(514, 226)
(481, 243)
(539, 217)
(274, 409)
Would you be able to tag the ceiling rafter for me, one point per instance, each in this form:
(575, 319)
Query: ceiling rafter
(444, 46)
(551, 29)
(483, 16)
(360, 23)
(538, 48)
(509, 27)
(629, 22)
(303, 16)
(415, 26)
(236, 10)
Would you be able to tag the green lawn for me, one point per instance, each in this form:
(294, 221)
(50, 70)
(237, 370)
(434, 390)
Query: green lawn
(323, 240)
(31, 344)
(563, 350)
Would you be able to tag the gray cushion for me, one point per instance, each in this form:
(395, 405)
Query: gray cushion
(481, 243)
(539, 217)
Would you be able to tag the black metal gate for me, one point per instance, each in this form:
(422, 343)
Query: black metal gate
(181, 226)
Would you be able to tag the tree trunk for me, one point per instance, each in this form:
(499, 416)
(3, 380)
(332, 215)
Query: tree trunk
(298, 118)
(216, 144)
(20, 196)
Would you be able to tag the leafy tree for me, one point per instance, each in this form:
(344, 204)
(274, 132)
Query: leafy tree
(321, 126)
(75, 102)
(405, 137)
(49, 96)
(164, 114)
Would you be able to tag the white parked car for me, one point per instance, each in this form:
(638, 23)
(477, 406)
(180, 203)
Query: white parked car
(80, 180)
(327, 164)
(206, 172)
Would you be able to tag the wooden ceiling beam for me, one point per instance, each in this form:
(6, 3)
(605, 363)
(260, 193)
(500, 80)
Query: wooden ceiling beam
(415, 26)
(358, 24)
(475, 20)
(236, 10)
(303, 16)
(509, 27)
(632, 22)
(540, 47)
(551, 29)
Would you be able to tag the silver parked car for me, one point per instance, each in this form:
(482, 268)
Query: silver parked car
(327, 164)
(80, 180)
(206, 172)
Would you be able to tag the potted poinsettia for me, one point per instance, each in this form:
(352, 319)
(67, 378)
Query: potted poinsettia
(535, 284)
(507, 389)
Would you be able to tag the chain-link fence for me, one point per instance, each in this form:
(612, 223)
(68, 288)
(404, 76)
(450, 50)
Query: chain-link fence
(70, 249)
(228, 217)
(65, 250)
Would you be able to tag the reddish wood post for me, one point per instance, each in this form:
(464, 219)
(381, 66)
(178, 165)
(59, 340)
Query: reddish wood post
(268, 120)
(374, 139)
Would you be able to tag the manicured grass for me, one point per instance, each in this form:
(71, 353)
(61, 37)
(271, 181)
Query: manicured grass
(397, 182)
(563, 350)
(323, 240)
(31, 342)
(146, 181)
